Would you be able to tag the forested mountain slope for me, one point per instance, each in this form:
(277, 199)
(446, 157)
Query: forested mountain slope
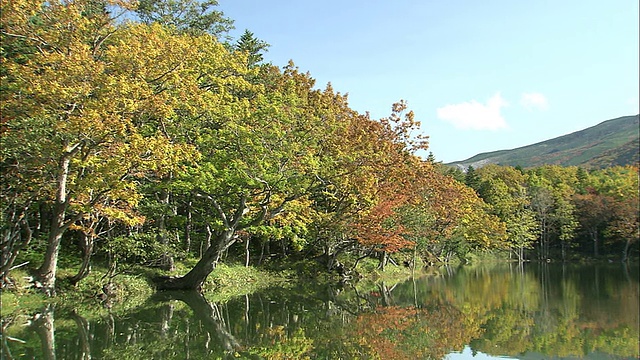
(612, 142)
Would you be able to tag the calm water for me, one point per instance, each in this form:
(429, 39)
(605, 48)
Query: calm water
(537, 312)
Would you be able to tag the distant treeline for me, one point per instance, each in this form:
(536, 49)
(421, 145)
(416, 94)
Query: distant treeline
(554, 212)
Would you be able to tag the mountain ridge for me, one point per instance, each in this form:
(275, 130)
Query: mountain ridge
(609, 143)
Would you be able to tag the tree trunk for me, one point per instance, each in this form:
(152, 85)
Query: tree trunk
(167, 262)
(246, 251)
(195, 278)
(13, 241)
(205, 244)
(594, 236)
(385, 294)
(625, 252)
(47, 272)
(264, 246)
(87, 242)
(414, 260)
(384, 258)
(187, 227)
(519, 251)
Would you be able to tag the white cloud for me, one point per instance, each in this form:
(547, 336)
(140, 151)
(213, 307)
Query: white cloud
(475, 115)
(534, 100)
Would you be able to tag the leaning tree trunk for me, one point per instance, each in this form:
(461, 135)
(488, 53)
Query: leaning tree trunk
(87, 242)
(195, 278)
(47, 272)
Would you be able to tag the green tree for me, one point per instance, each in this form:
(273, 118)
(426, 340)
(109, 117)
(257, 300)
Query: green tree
(622, 188)
(471, 178)
(262, 156)
(253, 46)
(191, 16)
(503, 188)
(551, 188)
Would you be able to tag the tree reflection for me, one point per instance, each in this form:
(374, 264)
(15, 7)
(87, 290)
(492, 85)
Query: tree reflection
(44, 327)
(507, 310)
(211, 317)
(84, 334)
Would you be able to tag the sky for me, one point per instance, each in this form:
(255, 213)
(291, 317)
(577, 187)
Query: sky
(479, 75)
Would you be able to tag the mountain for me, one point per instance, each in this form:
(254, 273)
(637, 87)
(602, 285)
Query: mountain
(612, 142)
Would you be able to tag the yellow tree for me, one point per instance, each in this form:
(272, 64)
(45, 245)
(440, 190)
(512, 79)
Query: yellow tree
(90, 111)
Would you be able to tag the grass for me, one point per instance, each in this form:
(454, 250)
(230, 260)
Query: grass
(21, 299)
(229, 281)
(88, 298)
(130, 289)
(133, 286)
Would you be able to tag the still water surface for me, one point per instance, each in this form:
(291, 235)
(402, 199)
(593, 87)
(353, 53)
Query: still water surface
(539, 311)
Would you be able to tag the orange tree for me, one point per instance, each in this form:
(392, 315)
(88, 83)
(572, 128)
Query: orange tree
(608, 209)
(396, 170)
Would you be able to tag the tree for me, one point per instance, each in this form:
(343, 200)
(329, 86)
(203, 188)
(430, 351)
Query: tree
(542, 203)
(503, 188)
(190, 16)
(380, 230)
(395, 172)
(621, 185)
(261, 157)
(89, 109)
(551, 188)
(252, 46)
(594, 212)
(471, 178)
(447, 218)
(566, 223)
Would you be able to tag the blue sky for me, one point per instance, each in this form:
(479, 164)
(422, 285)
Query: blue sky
(480, 75)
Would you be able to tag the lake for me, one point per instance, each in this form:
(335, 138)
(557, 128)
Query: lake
(534, 311)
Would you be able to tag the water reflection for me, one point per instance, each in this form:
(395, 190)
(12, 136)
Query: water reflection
(536, 311)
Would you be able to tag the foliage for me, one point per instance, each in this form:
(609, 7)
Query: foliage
(252, 46)
(190, 16)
